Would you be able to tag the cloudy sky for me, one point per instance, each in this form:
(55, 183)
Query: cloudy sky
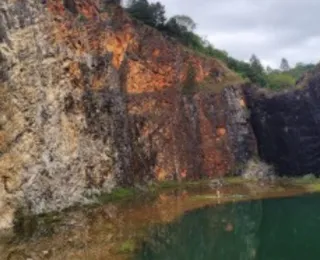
(271, 29)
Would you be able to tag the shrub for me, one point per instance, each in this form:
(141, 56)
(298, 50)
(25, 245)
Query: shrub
(279, 81)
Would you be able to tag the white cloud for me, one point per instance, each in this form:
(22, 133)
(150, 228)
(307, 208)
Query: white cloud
(271, 29)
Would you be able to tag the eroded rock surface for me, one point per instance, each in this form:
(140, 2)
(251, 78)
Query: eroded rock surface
(91, 99)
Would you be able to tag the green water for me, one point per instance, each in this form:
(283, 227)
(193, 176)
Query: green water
(271, 229)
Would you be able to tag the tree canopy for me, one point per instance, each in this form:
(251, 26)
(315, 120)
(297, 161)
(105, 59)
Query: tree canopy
(184, 22)
(152, 14)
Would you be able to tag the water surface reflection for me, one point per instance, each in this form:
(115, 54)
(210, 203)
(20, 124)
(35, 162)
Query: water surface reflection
(277, 229)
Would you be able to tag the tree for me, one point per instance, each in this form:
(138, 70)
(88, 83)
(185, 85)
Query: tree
(151, 14)
(185, 22)
(139, 10)
(157, 11)
(256, 64)
(300, 69)
(284, 65)
(256, 74)
(181, 27)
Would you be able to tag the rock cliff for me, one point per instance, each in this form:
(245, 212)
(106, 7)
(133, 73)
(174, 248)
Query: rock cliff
(91, 99)
(287, 126)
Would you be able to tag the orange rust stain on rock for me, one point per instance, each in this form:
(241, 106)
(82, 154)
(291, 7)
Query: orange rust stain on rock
(183, 174)
(130, 40)
(88, 9)
(118, 44)
(156, 53)
(221, 131)
(140, 78)
(91, 35)
(55, 7)
(161, 174)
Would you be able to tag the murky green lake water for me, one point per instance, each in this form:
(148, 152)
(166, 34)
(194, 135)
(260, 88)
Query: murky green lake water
(270, 229)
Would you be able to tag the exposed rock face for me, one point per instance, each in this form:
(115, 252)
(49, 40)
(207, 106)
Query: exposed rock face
(287, 127)
(91, 99)
(58, 139)
(205, 135)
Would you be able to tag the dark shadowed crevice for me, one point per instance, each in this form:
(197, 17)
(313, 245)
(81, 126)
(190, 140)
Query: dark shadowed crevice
(70, 5)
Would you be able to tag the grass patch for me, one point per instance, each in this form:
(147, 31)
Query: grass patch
(127, 247)
(314, 187)
(208, 85)
(119, 194)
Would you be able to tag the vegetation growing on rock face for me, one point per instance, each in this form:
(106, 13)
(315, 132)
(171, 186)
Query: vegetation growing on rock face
(189, 84)
(182, 27)
(127, 247)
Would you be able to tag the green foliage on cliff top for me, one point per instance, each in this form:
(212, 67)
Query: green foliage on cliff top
(278, 81)
(286, 77)
(152, 14)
